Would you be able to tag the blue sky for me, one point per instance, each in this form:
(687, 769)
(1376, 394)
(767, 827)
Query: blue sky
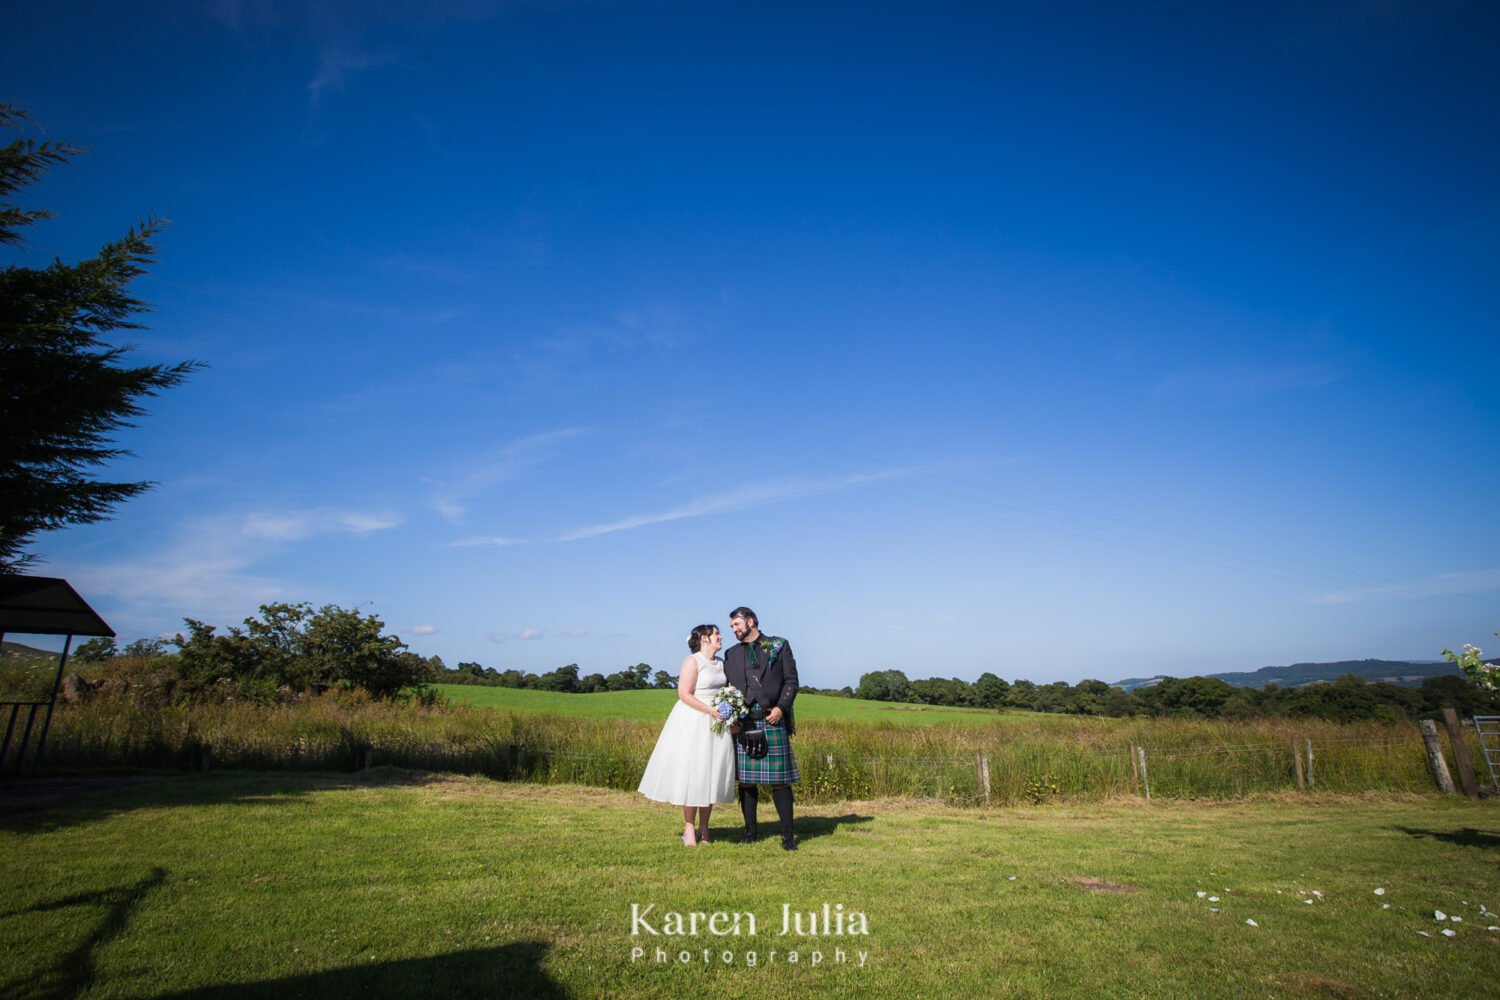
(1057, 341)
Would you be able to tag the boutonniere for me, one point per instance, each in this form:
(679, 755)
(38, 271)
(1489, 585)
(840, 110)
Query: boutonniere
(771, 647)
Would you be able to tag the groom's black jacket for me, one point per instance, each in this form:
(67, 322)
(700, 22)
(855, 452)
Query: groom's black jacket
(773, 683)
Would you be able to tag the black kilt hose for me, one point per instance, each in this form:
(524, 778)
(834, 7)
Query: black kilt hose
(765, 672)
(777, 767)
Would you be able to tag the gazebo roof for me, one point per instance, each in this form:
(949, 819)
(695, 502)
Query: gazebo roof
(45, 605)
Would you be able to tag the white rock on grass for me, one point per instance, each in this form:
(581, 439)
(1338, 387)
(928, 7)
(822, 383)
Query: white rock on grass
(1385, 906)
(1447, 932)
(1493, 927)
(1251, 923)
(1201, 894)
(1424, 934)
(1317, 893)
(1439, 915)
(1213, 899)
(1308, 902)
(1380, 892)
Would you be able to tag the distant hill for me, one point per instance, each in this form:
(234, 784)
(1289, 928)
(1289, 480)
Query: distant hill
(28, 654)
(1404, 672)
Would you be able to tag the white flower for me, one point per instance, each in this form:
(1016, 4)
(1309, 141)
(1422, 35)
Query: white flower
(1385, 906)
(1308, 902)
(1201, 894)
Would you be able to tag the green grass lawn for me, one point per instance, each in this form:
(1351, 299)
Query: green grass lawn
(398, 883)
(653, 706)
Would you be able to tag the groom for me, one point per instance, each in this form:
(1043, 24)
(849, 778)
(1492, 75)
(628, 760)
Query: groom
(763, 669)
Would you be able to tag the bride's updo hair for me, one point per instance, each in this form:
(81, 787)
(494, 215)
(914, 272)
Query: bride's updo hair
(698, 634)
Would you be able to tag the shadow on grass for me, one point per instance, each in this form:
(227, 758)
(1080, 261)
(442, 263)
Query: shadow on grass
(807, 827)
(513, 970)
(1468, 837)
(75, 969)
(46, 804)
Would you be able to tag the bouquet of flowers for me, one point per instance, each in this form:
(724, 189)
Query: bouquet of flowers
(729, 704)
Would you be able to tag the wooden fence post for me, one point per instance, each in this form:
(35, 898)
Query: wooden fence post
(1435, 755)
(1308, 745)
(1140, 753)
(982, 769)
(1135, 769)
(1297, 764)
(1461, 753)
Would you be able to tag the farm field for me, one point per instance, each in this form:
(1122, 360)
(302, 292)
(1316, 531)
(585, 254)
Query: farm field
(653, 706)
(407, 883)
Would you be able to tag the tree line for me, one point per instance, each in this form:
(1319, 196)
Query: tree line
(564, 679)
(1350, 698)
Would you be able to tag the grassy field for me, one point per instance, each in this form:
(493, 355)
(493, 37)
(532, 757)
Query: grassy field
(1029, 756)
(653, 706)
(401, 883)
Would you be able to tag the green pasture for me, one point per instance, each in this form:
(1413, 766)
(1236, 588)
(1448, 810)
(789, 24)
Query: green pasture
(653, 706)
(402, 883)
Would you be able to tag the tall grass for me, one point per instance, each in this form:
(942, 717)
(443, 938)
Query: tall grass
(1030, 757)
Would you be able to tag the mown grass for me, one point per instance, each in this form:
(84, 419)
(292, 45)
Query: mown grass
(398, 883)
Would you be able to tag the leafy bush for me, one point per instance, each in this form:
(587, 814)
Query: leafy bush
(293, 645)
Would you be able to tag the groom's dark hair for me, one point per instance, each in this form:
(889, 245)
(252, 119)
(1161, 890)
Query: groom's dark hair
(745, 613)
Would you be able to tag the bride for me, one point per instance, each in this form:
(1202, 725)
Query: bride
(692, 766)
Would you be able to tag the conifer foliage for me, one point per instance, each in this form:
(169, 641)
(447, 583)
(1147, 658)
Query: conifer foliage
(65, 388)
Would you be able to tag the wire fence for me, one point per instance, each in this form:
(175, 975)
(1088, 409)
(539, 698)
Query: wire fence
(997, 766)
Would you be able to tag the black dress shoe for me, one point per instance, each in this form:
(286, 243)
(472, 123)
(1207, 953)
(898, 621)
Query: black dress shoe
(749, 837)
(788, 843)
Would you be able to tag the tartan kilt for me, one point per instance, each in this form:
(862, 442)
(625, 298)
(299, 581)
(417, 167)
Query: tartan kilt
(777, 767)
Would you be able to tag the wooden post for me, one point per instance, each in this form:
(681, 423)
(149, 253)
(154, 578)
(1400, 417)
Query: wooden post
(1140, 753)
(1135, 769)
(1435, 756)
(1297, 764)
(982, 768)
(1461, 753)
(1308, 745)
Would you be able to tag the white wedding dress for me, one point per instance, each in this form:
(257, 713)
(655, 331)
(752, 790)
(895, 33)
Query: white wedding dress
(692, 765)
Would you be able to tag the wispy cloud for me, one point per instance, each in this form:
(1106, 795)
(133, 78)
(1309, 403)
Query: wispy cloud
(203, 572)
(422, 630)
(526, 635)
(206, 568)
(481, 541)
(295, 525)
(1246, 380)
(451, 498)
(335, 64)
(757, 495)
(1443, 584)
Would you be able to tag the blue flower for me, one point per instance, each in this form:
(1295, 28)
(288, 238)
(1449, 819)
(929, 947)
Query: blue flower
(725, 710)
